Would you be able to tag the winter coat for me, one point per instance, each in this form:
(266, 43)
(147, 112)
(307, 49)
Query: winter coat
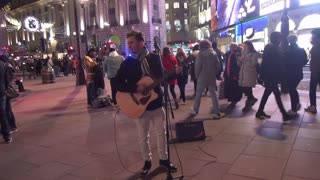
(169, 63)
(183, 76)
(90, 66)
(315, 59)
(248, 69)
(192, 65)
(295, 59)
(112, 64)
(207, 66)
(272, 67)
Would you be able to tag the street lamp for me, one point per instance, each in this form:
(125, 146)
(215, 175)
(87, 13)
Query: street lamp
(242, 14)
(82, 2)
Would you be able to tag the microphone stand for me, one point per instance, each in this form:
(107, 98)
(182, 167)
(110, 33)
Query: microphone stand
(166, 102)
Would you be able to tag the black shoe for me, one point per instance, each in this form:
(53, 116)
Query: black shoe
(146, 168)
(287, 118)
(168, 165)
(262, 115)
(8, 139)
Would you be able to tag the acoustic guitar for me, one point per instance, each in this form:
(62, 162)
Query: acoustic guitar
(134, 104)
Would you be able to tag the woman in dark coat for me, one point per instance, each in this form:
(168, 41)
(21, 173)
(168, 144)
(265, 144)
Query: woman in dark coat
(232, 90)
(183, 77)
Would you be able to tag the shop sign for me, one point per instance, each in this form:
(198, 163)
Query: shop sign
(309, 2)
(269, 6)
(31, 24)
(251, 7)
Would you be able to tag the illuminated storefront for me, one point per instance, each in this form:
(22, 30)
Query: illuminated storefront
(238, 20)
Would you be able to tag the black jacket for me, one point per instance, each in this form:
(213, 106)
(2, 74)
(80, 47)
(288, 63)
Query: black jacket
(4, 79)
(272, 67)
(130, 73)
(295, 59)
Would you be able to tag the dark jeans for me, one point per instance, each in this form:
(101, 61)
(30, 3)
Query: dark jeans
(271, 87)
(294, 96)
(11, 118)
(314, 82)
(113, 84)
(182, 87)
(5, 127)
(91, 93)
(248, 92)
(195, 85)
(173, 93)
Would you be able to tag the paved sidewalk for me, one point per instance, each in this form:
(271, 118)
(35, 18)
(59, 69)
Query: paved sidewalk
(59, 138)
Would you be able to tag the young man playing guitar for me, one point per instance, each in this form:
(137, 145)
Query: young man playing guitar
(138, 65)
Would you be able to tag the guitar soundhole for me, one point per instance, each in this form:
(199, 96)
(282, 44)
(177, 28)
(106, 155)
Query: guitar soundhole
(145, 99)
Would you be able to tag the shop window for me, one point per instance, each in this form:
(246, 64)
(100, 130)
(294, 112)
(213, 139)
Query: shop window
(168, 26)
(185, 5)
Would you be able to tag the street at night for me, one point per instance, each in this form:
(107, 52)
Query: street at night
(60, 138)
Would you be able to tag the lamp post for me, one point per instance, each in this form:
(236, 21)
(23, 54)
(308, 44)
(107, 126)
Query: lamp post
(80, 79)
(242, 14)
(85, 23)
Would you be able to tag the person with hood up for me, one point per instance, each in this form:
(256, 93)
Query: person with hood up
(207, 66)
(112, 63)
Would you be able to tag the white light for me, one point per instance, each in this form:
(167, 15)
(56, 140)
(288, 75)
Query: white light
(3, 25)
(121, 20)
(74, 33)
(106, 24)
(81, 33)
(145, 16)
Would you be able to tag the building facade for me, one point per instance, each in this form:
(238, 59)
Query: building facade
(98, 21)
(177, 21)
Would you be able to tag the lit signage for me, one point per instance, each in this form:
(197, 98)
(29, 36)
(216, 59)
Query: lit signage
(31, 23)
(269, 6)
(308, 2)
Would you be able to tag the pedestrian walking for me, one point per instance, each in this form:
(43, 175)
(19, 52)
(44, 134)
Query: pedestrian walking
(169, 62)
(295, 59)
(248, 73)
(183, 77)
(206, 68)
(272, 72)
(315, 70)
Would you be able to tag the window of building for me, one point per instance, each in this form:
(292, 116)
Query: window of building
(167, 6)
(133, 16)
(177, 24)
(167, 15)
(176, 5)
(185, 5)
(112, 13)
(168, 26)
(186, 21)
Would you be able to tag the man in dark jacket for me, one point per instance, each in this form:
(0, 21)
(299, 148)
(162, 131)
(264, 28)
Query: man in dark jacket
(139, 64)
(272, 72)
(4, 81)
(315, 70)
(295, 59)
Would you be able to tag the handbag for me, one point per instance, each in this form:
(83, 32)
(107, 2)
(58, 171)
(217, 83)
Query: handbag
(11, 92)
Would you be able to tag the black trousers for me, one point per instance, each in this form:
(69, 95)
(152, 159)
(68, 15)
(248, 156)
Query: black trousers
(113, 84)
(314, 82)
(248, 92)
(271, 87)
(294, 96)
(173, 93)
(182, 87)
